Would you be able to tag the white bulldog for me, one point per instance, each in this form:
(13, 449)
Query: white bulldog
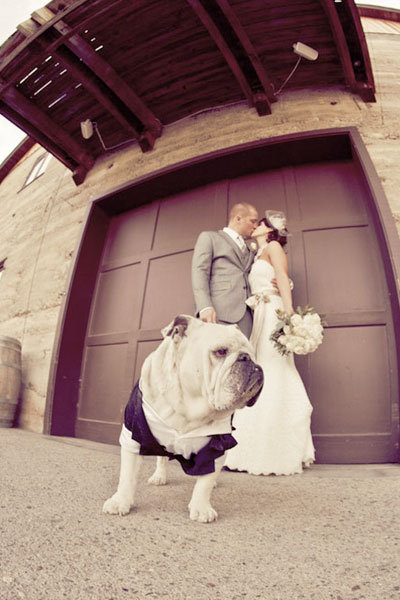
(189, 388)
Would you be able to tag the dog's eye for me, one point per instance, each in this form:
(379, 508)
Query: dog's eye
(221, 352)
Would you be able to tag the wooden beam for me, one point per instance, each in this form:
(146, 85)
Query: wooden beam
(15, 156)
(6, 60)
(378, 12)
(341, 44)
(37, 135)
(366, 92)
(107, 74)
(27, 28)
(366, 89)
(79, 174)
(42, 123)
(82, 74)
(249, 48)
(218, 38)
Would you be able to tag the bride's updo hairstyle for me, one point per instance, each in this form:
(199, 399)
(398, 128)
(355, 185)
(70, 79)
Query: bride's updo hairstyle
(274, 235)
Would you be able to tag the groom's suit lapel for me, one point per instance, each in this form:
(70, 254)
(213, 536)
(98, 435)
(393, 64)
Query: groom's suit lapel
(249, 259)
(238, 253)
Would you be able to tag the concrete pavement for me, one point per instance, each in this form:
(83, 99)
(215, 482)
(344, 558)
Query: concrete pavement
(332, 533)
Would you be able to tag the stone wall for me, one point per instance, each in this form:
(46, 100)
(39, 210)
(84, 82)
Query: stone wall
(41, 224)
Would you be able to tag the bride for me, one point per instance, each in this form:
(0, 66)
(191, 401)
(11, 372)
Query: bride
(274, 435)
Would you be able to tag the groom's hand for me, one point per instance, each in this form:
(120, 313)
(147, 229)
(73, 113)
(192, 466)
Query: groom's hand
(208, 315)
(274, 283)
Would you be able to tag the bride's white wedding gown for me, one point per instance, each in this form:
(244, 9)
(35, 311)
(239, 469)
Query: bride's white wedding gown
(274, 435)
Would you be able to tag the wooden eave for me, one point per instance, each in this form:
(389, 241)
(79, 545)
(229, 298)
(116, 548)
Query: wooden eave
(227, 32)
(19, 152)
(132, 67)
(377, 12)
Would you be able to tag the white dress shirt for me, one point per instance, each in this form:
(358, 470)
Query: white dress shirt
(173, 441)
(237, 238)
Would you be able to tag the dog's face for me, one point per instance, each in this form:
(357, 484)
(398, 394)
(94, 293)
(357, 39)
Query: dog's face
(208, 368)
(218, 360)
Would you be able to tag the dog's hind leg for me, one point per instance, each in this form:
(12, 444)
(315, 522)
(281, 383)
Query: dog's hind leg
(159, 476)
(200, 508)
(123, 499)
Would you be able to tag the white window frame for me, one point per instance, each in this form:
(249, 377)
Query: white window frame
(38, 168)
(2, 266)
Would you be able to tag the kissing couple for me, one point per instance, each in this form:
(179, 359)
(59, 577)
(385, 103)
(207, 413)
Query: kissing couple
(233, 284)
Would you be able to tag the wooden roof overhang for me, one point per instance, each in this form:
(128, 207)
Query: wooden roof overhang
(378, 12)
(132, 66)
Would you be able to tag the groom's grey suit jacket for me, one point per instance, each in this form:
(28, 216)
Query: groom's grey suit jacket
(220, 275)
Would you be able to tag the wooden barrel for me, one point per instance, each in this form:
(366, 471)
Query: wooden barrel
(10, 379)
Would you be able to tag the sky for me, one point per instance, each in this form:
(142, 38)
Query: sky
(13, 13)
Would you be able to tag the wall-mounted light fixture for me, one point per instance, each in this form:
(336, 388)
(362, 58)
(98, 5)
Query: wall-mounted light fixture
(303, 51)
(87, 129)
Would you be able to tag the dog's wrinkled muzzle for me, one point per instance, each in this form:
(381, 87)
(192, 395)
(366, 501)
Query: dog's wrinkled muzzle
(256, 378)
(256, 382)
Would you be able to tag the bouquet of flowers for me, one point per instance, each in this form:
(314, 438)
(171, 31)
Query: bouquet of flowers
(300, 333)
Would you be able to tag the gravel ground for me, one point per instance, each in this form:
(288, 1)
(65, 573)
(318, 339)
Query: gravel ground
(330, 533)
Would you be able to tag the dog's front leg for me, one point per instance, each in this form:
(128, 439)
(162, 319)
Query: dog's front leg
(159, 476)
(123, 499)
(200, 508)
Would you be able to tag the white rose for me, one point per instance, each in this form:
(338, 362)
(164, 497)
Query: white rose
(315, 331)
(299, 349)
(296, 319)
(290, 345)
(300, 331)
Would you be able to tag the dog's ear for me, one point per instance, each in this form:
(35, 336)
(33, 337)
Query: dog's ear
(177, 328)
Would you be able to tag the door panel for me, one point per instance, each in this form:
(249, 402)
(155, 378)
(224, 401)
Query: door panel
(168, 290)
(349, 378)
(342, 274)
(335, 262)
(330, 196)
(117, 300)
(103, 383)
(181, 217)
(131, 233)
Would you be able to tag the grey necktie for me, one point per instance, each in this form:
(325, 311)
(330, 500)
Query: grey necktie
(241, 243)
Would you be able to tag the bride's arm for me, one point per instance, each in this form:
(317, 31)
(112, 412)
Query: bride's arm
(279, 261)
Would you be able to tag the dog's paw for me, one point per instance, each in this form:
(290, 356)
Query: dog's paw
(158, 478)
(116, 505)
(202, 513)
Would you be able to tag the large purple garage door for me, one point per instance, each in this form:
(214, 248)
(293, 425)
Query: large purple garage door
(335, 261)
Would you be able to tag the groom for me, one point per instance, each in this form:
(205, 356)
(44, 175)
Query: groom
(220, 268)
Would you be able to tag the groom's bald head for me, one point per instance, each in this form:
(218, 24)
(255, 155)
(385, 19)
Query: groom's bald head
(242, 209)
(243, 218)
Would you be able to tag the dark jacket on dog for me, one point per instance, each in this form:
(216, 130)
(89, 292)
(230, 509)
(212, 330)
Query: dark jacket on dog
(201, 463)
